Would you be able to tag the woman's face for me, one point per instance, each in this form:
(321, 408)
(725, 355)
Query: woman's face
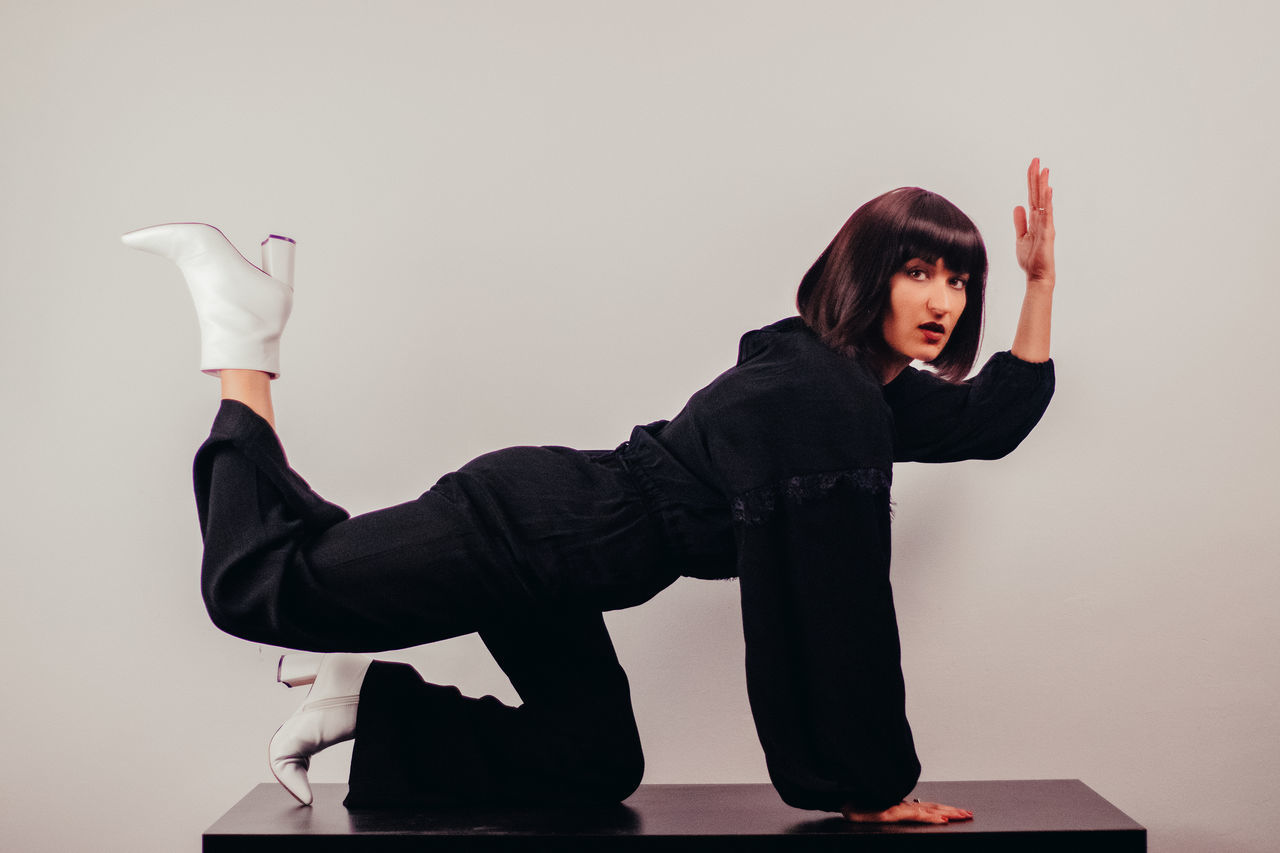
(925, 301)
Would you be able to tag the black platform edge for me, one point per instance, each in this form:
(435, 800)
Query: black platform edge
(1015, 815)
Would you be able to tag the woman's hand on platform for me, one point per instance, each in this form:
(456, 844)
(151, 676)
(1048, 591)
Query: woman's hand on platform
(909, 812)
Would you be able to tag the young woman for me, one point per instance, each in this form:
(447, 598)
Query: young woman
(778, 473)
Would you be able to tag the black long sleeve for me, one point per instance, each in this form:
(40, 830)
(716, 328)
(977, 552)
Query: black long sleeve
(823, 658)
(985, 417)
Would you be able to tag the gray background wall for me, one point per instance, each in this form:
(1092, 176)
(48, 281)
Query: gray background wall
(544, 223)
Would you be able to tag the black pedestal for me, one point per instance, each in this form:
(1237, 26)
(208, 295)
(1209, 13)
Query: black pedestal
(1042, 815)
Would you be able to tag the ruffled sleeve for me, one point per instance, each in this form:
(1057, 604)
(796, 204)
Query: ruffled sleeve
(985, 417)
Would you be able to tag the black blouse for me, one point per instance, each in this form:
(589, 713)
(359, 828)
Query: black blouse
(778, 472)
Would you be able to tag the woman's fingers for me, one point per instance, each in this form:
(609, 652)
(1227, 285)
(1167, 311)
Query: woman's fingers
(1039, 201)
(1043, 195)
(949, 812)
(912, 812)
(1033, 227)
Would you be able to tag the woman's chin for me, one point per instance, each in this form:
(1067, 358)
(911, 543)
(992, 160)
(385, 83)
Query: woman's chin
(927, 354)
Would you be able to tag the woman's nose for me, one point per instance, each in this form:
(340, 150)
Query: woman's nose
(939, 301)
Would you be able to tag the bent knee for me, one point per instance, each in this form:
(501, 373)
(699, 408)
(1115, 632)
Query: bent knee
(605, 771)
(240, 606)
(616, 775)
(240, 623)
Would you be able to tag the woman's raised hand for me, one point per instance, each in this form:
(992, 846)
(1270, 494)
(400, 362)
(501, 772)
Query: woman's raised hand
(1035, 234)
(909, 812)
(1035, 256)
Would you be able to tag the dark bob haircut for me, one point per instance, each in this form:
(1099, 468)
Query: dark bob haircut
(845, 294)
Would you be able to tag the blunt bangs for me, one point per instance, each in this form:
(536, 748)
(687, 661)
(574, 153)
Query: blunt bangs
(937, 230)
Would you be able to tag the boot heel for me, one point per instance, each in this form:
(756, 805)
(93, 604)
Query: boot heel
(297, 670)
(277, 258)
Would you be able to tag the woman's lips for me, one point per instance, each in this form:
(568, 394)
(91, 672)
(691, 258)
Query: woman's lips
(933, 332)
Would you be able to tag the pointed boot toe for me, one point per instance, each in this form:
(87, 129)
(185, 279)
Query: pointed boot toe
(327, 716)
(290, 768)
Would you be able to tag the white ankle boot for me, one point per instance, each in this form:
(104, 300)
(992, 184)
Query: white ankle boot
(327, 716)
(242, 309)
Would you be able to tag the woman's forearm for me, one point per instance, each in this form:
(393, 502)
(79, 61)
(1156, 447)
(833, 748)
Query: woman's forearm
(1033, 228)
(1031, 342)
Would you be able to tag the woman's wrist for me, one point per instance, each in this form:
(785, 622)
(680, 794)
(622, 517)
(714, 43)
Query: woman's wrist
(1031, 341)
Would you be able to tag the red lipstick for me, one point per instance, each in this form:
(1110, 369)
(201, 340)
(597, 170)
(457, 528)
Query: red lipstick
(933, 332)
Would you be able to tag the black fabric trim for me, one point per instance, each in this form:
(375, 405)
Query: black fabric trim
(238, 425)
(756, 506)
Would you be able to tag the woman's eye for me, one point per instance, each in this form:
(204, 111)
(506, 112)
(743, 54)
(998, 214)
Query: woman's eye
(918, 274)
(959, 283)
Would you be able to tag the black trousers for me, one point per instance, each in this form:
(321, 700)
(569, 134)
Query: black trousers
(526, 547)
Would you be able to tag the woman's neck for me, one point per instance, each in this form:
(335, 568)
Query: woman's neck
(887, 365)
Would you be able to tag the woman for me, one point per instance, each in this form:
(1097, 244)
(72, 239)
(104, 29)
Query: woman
(778, 472)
